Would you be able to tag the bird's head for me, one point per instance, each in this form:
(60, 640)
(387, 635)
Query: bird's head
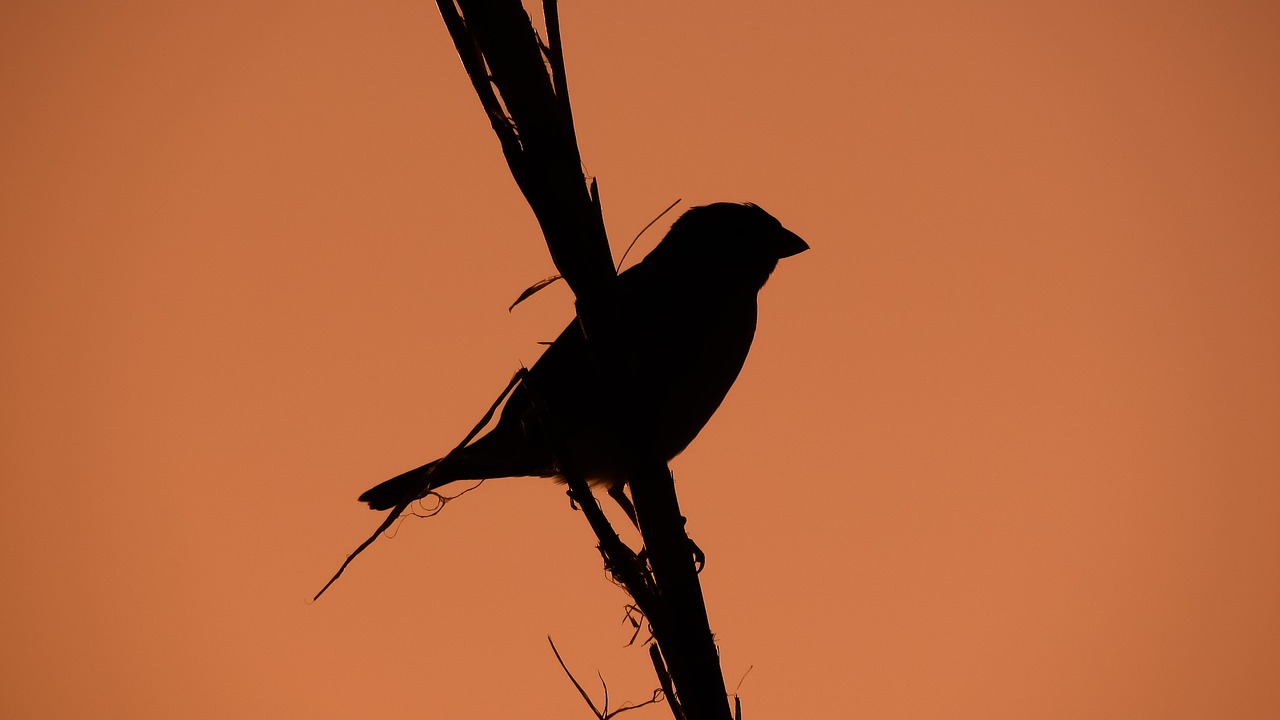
(726, 242)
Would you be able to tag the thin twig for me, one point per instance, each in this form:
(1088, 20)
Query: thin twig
(576, 684)
(664, 678)
(642, 231)
(416, 493)
(528, 293)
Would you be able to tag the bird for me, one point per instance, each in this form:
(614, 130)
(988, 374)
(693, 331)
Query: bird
(688, 317)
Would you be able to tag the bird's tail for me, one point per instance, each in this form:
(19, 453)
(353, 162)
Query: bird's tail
(390, 493)
(478, 461)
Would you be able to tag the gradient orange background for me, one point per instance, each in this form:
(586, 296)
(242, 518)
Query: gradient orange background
(1008, 445)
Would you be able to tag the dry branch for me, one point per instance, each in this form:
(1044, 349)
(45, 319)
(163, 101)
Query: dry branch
(527, 106)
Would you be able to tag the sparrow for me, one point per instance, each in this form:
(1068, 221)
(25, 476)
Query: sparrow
(688, 311)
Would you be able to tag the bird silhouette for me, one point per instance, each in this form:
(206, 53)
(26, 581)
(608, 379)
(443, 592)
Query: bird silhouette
(688, 314)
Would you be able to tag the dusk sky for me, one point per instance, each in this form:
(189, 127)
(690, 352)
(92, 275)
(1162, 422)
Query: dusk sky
(1007, 445)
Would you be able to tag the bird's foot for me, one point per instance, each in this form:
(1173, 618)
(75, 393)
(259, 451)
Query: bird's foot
(699, 557)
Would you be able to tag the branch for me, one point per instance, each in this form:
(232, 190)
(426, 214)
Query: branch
(501, 54)
(529, 111)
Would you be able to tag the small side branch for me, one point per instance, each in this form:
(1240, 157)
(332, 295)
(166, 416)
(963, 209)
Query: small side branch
(664, 678)
(600, 714)
(416, 493)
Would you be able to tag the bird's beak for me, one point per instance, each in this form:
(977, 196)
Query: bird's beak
(790, 244)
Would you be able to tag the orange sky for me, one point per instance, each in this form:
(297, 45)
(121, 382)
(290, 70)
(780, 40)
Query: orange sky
(1008, 444)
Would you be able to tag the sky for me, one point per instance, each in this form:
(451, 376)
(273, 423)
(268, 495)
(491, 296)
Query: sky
(1007, 444)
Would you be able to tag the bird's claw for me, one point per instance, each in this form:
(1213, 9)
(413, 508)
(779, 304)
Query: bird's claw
(699, 557)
